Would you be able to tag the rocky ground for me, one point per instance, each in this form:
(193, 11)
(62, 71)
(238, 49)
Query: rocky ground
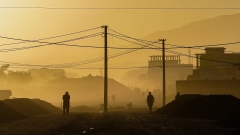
(135, 122)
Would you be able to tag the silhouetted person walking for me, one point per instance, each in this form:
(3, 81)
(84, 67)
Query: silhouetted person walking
(66, 103)
(150, 101)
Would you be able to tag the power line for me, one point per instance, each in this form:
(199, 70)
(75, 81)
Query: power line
(48, 43)
(176, 46)
(100, 59)
(193, 46)
(123, 35)
(116, 55)
(54, 36)
(120, 8)
(112, 56)
(57, 43)
(199, 46)
(132, 42)
(117, 36)
(203, 58)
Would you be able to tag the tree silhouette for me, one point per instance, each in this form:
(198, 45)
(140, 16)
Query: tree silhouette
(2, 72)
(18, 77)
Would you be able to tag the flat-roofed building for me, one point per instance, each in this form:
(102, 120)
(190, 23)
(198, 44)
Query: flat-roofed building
(216, 64)
(215, 73)
(174, 68)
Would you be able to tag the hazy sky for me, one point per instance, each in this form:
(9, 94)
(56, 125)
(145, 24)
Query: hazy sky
(36, 23)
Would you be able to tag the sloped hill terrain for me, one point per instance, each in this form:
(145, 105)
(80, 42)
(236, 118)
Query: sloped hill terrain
(173, 106)
(209, 107)
(8, 113)
(204, 107)
(47, 106)
(25, 106)
(92, 83)
(87, 89)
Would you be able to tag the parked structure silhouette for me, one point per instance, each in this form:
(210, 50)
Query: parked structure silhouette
(150, 101)
(66, 103)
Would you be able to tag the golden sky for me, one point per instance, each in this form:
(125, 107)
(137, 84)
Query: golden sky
(37, 23)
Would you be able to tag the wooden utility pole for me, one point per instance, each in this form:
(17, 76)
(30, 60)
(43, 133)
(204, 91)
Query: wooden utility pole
(163, 66)
(105, 70)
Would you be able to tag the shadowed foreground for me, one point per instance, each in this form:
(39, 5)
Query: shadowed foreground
(117, 123)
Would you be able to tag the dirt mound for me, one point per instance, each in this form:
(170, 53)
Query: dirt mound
(8, 113)
(80, 108)
(173, 106)
(232, 120)
(47, 106)
(209, 107)
(204, 107)
(25, 106)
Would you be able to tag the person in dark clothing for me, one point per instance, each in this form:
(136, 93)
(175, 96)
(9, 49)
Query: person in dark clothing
(150, 101)
(66, 103)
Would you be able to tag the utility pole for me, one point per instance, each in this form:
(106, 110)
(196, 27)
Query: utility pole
(105, 70)
(163, 64)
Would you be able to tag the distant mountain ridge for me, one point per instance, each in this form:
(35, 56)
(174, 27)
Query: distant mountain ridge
(218, 30)
(221, 29)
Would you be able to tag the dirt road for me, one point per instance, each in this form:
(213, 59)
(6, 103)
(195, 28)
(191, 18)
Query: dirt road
(112, 123)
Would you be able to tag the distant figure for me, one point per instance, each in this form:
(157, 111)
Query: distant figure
(66, 103)
(129, 105)
(113, 98)
(150, 101)
(177, 96)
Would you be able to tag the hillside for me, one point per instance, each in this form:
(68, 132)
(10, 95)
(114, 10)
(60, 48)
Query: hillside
(86, 89)
(221, 29)
(90, 83)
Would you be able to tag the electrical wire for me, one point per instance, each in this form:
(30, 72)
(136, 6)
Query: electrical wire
(120, 8)
(176, 46)
(48, 43)
(122, 53)
(54, 36)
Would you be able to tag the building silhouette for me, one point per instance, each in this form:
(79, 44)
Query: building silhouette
(175, 70)
(215, 64)
(5, 94)
(215, 73)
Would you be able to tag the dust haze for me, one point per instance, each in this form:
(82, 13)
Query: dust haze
(173, 67)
